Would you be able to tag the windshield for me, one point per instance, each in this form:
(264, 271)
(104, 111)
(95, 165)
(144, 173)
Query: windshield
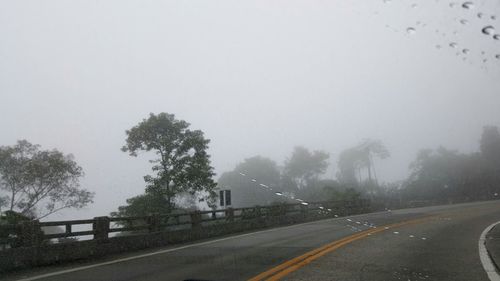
(249, 140)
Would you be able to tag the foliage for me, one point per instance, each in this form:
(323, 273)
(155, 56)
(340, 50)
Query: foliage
(490, 146)
(353, 160)
(40, 182)
(304, 166)
(183, 164)
(246, 193)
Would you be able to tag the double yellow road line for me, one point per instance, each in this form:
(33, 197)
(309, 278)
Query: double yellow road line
(278, 272)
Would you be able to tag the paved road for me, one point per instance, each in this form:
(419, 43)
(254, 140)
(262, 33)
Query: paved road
(437, 243)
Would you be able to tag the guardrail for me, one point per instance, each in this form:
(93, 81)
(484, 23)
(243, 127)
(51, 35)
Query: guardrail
(30, 233)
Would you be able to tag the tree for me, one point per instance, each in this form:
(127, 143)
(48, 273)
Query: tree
(40, 182)
(490, 146)
(183, 164)
(352, 160)
(304, 166)
(244, 191)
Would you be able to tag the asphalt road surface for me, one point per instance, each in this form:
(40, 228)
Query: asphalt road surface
(431, 243)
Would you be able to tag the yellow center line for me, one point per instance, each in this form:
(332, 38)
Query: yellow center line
(294, 264)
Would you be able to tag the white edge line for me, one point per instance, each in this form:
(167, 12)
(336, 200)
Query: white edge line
(488, 265)
(36, 277)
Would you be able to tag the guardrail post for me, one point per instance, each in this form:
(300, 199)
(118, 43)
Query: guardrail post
(303, 210)
(31, 233)
(229, 214)
(195, 220)
(154, 222)
(101, 228)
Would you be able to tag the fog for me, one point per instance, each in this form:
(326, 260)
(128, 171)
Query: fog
(257, 77)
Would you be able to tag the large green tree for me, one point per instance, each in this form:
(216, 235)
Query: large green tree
(182, 164)
(37, 183)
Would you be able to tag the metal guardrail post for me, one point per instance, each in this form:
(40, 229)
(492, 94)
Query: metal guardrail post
(101, 228)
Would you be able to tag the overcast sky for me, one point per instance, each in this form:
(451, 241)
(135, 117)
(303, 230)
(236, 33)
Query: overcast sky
(258, 77)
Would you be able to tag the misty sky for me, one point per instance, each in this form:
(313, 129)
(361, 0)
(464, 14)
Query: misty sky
(258, 77)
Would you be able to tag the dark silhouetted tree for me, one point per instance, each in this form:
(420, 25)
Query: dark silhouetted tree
(182, 165)
(38, 182)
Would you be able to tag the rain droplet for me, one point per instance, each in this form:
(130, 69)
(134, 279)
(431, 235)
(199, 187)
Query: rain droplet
(438, 46)
(493, 17)
(497, 56)
(414, 5)
(254, 180)
(395, 232)
(304, 203)
(242, 174)
(465, 51)
(468, 5)
(348, 219)
(464, 21)
(411, 236)
(336, 216)
(423, 238)
(278, 193)
(410, 30)
(488, 30)
(453, 4)
(387, 1)
(480, 15)
(496, 36)
(453, 45)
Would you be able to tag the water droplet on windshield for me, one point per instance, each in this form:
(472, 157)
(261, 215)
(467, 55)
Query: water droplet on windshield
(464, 21)
(438, 46)
(496, 36)
(387, 1)
(497, 56)
(468, 5)
(465, 51)
(395, 232)
(488, 30)
(410, 30)
(453, 4)
(278, 193)
(453, 45)
(493, 17)
(480, 15)
(414, 5)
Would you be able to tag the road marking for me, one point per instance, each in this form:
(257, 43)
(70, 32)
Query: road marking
(278, 272)
(488, 265)
(176, 249)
